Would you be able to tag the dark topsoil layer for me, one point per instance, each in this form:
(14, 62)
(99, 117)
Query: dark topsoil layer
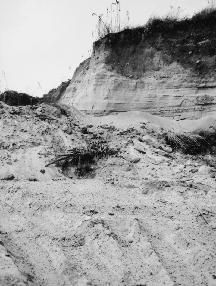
(190, 41)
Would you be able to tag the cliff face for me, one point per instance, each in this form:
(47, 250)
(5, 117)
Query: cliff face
(166, 68)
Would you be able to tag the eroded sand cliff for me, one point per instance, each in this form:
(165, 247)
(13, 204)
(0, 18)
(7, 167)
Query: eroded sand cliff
(168, 71)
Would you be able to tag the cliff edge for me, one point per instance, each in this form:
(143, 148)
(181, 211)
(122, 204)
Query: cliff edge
(167, 67)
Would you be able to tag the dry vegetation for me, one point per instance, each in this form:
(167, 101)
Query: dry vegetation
(200, 142)
(84, 158)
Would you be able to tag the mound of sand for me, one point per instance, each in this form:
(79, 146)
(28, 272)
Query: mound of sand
(30, 136)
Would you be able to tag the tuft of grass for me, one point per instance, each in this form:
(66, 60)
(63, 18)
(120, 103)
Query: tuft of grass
(192, 144)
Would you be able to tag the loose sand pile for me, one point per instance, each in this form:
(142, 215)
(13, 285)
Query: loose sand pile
(145, 216)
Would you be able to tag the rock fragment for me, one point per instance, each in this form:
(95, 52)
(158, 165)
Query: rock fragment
(166, 149)
(132, 155)
(139, 147)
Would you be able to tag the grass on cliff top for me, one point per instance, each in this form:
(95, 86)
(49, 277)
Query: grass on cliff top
(203, 19)
(206, 18)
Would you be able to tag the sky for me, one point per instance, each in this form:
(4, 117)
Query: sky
(43, 41)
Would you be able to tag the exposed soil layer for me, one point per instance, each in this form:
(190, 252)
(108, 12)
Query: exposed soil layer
(190, 42)
(167, 68)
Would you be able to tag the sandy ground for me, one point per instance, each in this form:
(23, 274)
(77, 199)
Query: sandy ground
(134, 118)
(148, 217)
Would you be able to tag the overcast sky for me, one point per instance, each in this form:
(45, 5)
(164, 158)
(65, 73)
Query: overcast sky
(43, 41)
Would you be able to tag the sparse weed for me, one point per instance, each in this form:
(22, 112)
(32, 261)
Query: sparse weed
(112, 22)
(190, 143)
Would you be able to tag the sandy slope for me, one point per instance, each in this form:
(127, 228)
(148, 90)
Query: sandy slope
(145, 223)
(134, 118)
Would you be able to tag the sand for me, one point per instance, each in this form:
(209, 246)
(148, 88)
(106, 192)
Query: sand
(146, 223)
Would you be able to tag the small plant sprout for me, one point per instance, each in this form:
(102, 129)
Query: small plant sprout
(112, 22)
